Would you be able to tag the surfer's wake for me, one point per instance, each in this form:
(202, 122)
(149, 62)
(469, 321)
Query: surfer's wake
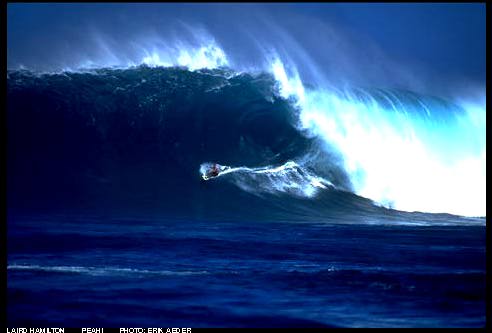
(287, 178)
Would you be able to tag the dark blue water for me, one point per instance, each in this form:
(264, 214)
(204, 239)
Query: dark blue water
(110, 224)
(99, 271)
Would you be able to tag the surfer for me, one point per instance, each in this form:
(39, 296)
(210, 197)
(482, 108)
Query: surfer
(211, 171)
(214, 171)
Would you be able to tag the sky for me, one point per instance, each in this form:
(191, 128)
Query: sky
(409, 45)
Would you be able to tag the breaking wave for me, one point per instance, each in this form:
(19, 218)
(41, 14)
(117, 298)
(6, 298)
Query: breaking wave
(144, 133)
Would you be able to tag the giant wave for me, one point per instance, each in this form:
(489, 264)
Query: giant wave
(137, 136)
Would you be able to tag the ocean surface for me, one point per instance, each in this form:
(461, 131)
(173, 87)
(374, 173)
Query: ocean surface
(317, 219)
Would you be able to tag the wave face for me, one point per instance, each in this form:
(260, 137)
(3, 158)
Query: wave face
(141, 137)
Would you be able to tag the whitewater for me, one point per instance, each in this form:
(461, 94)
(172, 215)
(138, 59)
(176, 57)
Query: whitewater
(402, 150)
